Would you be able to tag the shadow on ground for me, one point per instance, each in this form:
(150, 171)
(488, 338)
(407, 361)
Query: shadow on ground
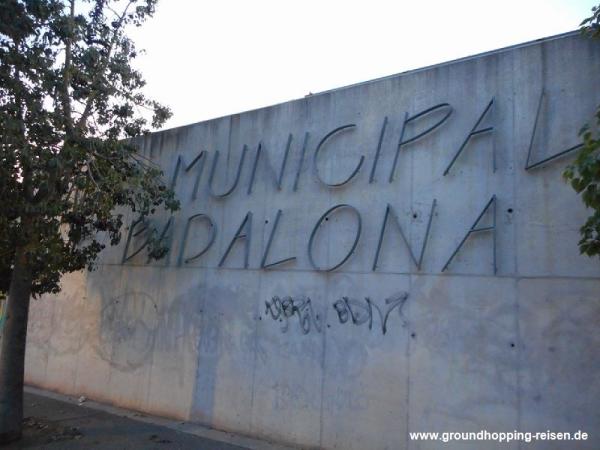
(52, 424)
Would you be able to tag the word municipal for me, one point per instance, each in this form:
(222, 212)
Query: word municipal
(418, 125)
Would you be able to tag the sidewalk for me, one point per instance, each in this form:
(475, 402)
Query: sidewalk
(58, 422)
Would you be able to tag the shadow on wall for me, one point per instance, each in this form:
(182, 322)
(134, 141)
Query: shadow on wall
(137, 330)
(126, 330)
(228, 338)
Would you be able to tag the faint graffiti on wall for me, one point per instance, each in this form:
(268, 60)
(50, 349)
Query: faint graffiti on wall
(128, 330)
(291, 396)
(134, 324)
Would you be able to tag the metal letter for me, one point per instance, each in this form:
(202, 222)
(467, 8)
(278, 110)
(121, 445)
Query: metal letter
(316, 155)
(301, 162)
(529, 165)
(378, 151)
(473, 229)
(237, 176)
(281, 171)
(187, 167)
(314, 232)
(213, 235)
(474, 132)
(389, 211)
(247, 235)
(408, 119)
(131, 234)
(263, 264)
(166, 228)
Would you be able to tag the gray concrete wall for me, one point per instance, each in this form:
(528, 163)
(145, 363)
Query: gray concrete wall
(301, 355)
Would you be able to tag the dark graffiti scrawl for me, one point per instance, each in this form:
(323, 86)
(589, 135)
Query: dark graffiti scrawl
(348, 310)
(286, 308)
(359, 313)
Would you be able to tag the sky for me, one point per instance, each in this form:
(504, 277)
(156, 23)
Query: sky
(207, 59)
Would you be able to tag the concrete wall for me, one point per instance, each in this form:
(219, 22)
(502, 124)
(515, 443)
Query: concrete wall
(302, 356)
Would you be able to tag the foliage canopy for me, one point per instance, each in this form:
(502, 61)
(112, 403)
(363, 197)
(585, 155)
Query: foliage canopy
(584, 173)
(70, 104)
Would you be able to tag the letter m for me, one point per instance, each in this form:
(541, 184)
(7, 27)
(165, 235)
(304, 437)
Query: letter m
(199, 160)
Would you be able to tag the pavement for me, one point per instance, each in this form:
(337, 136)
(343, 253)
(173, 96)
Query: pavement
(53, 421)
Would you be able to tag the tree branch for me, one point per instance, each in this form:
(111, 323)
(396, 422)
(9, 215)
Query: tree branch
(66, 101)
(103, 65)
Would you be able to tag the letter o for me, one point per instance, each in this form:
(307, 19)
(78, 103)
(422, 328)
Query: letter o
(314, 232)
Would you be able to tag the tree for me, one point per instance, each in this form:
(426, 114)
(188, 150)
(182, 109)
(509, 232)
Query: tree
(584, 173)
(70, 104)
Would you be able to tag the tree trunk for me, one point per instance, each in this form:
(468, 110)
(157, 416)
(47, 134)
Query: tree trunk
(12, 351)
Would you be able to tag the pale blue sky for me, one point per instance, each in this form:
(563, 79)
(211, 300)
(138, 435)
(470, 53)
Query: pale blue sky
(207, 59)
